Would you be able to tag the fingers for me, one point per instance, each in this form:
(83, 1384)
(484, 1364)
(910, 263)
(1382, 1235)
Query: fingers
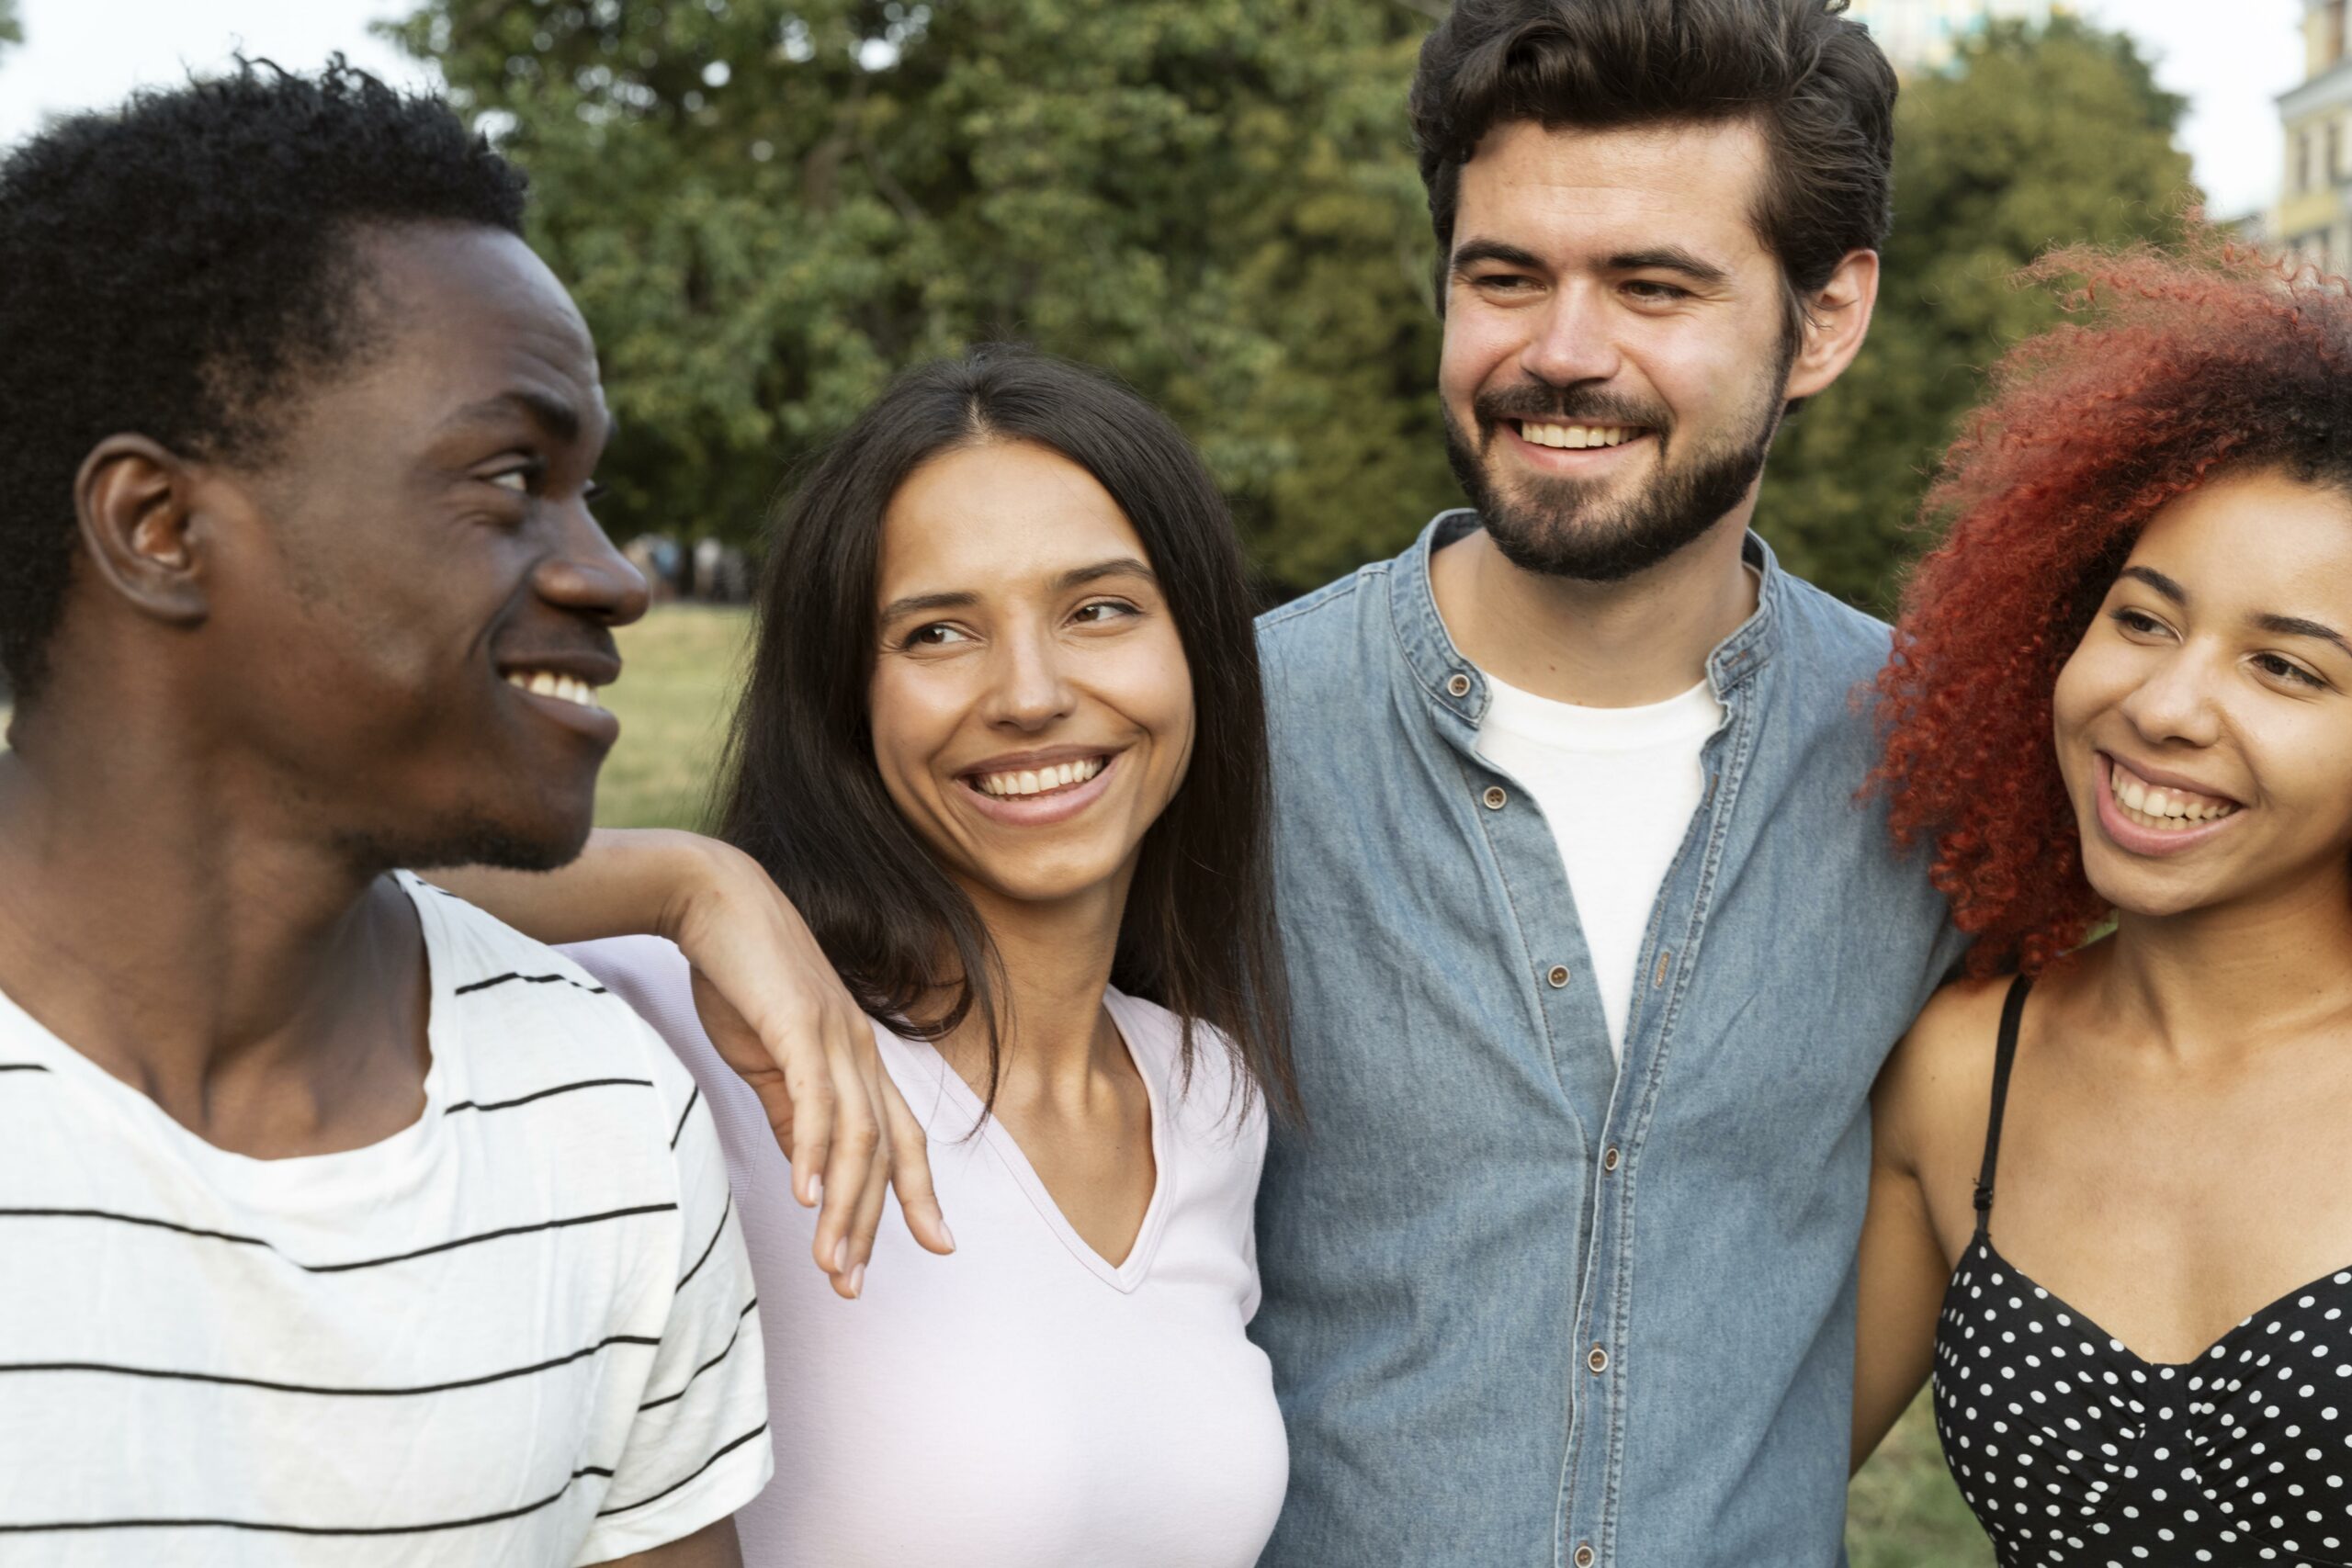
(911, 1172)
(869, 1217)
(815, 1109)
(855, 1144)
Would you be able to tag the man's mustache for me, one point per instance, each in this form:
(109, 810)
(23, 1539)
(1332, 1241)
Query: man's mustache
(1564, 405)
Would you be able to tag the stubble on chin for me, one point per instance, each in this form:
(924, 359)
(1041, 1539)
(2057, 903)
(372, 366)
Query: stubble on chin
(1577, 529)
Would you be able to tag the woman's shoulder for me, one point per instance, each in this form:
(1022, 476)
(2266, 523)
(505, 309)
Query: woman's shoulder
(1937, 1083)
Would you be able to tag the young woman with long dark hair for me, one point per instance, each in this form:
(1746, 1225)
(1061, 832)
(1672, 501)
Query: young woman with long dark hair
(2108, 1212)
(1002, 747)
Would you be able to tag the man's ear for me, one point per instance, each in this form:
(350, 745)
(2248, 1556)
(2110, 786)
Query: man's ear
(1835, 318)
(134, 502)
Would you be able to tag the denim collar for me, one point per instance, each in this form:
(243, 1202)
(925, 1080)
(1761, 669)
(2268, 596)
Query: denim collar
(1459, 686)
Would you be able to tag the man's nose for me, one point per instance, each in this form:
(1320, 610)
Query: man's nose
(1569, 340)
(586, 575)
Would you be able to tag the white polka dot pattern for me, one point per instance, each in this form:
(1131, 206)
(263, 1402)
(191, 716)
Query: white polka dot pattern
(2073, 1451)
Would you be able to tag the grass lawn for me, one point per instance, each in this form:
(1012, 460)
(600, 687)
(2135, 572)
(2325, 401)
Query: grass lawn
(683, 665)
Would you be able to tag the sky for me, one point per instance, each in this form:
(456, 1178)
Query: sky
(2230, 57)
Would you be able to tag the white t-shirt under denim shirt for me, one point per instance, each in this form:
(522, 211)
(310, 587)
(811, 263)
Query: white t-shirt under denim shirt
(518, 1331)
(1617, 787)
(1022, 1402)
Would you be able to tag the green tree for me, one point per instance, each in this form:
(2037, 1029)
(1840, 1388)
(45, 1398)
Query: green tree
(766, 208)
(2037, 139)
(11, 30)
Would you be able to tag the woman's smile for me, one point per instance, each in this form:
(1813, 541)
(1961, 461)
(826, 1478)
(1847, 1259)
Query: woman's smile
(1037, 793)
(2145, 818)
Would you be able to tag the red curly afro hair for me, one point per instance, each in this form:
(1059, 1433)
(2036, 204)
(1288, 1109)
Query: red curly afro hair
(2177, 366)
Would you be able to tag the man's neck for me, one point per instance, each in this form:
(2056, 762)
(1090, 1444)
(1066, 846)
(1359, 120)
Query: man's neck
(1643, 639)
(268, 996)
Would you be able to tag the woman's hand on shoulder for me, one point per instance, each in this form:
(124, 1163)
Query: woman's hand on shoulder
(779, 1016)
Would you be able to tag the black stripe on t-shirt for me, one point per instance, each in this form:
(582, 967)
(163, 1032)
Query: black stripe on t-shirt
(689, 1111)
(673, 1398)
(335, 1268)
(714, 1240)
(472, 985)
(542, 1094)
(111, 1370)
(719, 1453)
(37, 1067)
(499, 1517)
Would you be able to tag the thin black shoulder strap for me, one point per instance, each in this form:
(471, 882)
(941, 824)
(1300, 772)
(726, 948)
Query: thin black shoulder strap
(2005, 1058)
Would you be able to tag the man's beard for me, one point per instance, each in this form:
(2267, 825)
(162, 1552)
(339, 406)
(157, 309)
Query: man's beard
(478, 838)
(1557, 526)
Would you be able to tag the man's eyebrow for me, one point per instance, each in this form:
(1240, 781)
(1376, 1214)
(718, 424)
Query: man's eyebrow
(1470, 252)
(2159, 581)
(1670, 259)
(552, 414)
(2295, 626)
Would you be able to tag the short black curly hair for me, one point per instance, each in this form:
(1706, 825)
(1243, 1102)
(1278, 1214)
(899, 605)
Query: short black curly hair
(178, 267)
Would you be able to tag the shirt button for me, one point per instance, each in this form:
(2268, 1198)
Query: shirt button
(1584, 1554)
(1609, 1160)
(1557, 976)
(1597, 1360)
(1494, 797)
(1459, 685)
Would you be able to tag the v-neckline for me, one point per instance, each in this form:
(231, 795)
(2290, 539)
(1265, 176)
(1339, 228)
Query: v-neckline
(1129, 1273)
(2336, 1279)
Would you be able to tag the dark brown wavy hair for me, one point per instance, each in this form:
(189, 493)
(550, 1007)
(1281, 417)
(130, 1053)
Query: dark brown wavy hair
(800, 793)
(1805, 72)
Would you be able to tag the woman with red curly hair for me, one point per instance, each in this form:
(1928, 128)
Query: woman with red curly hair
(2122, 690)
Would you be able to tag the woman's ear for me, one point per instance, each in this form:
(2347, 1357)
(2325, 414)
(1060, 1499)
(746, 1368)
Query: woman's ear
(134, 503)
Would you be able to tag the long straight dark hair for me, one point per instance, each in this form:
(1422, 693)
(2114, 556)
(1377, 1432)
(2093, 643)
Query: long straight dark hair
(800, 793)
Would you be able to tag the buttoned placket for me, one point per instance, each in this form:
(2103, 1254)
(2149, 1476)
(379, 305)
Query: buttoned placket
(1607, 1101)
(1677, 923)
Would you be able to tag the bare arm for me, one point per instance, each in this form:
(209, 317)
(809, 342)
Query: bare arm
(1904, 1271)
(713, 1546)
(771, 1005)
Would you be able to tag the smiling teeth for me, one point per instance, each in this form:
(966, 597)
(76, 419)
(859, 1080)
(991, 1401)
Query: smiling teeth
(1037, 781)
(1575, 437)
(2168, 810)
(545, 683)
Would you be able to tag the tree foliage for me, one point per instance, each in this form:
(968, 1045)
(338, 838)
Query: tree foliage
(11, 30)
(2036, 140)
(766, 206)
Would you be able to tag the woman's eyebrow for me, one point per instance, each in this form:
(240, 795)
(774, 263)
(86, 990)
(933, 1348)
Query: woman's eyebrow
(2296, 626)
(915, 603)
(2159, 581)
(1120, 566)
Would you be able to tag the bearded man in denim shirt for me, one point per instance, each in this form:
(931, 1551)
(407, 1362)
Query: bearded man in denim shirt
(1594, 951)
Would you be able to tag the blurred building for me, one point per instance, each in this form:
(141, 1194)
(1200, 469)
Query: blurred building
(2314, 220)
(1924, 35)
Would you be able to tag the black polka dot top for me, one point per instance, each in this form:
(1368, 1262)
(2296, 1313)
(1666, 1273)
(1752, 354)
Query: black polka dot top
(2073, 1450)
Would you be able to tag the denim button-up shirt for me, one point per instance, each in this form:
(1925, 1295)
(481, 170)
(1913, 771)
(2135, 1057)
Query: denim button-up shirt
(1523, 1306)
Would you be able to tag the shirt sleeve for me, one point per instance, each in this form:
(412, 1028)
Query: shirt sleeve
(698, 1448)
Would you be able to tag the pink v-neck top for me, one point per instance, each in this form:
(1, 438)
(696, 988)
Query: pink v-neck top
(1023, 1403)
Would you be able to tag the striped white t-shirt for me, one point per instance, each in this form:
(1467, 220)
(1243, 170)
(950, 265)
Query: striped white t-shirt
(521, 1331)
